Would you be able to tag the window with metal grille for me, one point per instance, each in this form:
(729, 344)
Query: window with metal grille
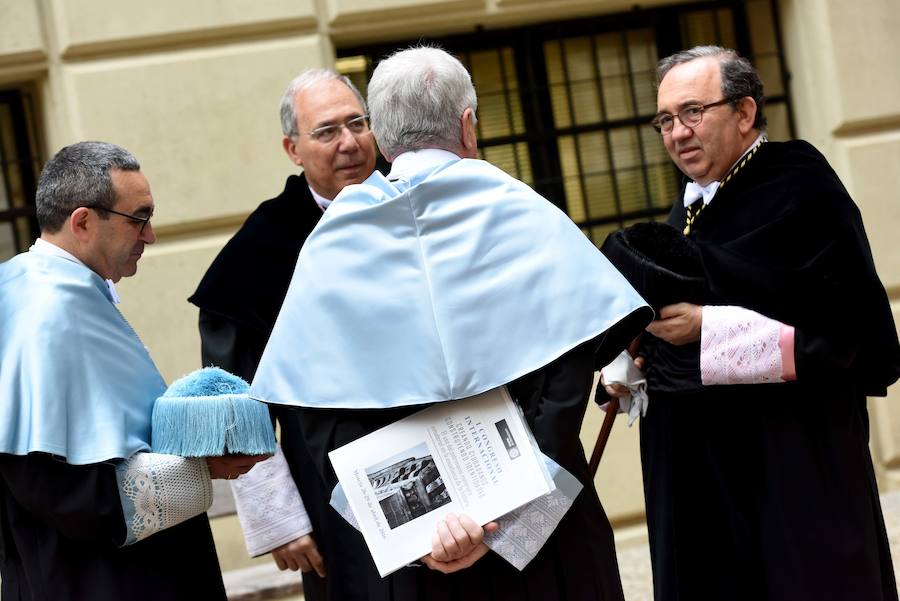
(19, 166)
(566, 106)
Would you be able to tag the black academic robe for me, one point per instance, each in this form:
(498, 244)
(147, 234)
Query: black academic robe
(768, 491)
(61, 527)
(239, 299)
(579, 560)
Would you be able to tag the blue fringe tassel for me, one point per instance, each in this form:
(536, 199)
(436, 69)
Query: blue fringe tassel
(208, 413)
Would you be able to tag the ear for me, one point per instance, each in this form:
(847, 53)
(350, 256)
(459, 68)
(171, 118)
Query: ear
(290, 148)
(80, 224)
(469, 140)
(746, 110)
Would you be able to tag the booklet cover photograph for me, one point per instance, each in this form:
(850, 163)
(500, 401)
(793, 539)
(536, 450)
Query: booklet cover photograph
(408, 485)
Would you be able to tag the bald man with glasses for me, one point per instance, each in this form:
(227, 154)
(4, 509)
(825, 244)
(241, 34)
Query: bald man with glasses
(283, 504)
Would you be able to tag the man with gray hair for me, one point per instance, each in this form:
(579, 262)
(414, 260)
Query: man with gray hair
(443, 280)
(86, 511)
(282, 505)
(757, 474)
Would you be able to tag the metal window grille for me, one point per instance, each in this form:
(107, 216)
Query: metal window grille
(19, 166)
(565, 106)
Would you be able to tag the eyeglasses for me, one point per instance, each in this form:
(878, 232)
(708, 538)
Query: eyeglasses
(133, 218)
(690, 116)
(329, 133)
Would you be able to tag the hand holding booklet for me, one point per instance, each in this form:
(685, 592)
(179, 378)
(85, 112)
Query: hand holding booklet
(474, 456)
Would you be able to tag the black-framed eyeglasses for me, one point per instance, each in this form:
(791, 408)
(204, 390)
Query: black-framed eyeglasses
(143, 221)
(690, 116)
(329, 133)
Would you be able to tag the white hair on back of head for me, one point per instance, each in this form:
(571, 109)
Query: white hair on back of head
(304, 81)
(416, 99)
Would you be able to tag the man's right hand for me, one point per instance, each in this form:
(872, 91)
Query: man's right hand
(300, 554)
(229, 467)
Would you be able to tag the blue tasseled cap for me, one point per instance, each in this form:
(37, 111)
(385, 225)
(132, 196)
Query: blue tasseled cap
(208, 413)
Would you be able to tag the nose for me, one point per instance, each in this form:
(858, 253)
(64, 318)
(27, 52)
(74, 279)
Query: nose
(148, 236)
(680, 131)
(347, 142)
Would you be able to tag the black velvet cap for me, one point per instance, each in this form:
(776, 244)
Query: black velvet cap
(660, 262)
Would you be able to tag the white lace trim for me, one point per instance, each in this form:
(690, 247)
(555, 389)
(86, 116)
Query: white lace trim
(269, 506)
(739, 346)
(159, 491)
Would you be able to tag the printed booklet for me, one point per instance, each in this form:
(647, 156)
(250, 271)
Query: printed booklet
(474, 456)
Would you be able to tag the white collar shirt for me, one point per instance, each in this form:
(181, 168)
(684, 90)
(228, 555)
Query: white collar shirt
(409, 163)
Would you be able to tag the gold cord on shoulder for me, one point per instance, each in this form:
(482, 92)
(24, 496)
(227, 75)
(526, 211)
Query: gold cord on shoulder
(691, 215)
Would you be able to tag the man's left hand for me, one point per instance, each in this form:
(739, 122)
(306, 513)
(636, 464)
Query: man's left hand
(678, 324)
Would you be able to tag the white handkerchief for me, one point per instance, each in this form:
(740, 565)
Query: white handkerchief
(622, 371)
(269, 506)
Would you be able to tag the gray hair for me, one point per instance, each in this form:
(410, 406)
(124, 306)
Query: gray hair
(305, 81)
(739, 78)
(79, 176)
(416, 98)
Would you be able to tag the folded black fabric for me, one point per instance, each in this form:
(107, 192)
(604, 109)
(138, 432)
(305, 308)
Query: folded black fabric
(660, 262)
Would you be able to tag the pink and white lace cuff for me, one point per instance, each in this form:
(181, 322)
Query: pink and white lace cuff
(740, 346)
(269, 506)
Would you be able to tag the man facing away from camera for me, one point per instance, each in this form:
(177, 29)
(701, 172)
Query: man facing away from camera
(445, 279)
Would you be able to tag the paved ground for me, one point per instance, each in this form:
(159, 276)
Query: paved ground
(634, 565)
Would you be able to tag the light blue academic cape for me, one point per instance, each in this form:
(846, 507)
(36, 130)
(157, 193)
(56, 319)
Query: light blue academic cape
(441, 286)
(75, 380)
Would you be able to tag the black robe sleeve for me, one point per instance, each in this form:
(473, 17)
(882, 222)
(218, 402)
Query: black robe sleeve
(812, 268)
(554, 400)
(80, 501)
(61, 527)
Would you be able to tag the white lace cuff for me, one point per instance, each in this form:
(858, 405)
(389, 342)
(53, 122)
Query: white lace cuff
(269, 506)
(740, 346)
(159, 491)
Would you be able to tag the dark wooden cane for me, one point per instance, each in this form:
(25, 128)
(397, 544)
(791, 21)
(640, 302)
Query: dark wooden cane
(612, 409)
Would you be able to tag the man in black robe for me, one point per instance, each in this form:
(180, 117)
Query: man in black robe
(86, 512)
(424, 101)
(757, 474)
(325, 132)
